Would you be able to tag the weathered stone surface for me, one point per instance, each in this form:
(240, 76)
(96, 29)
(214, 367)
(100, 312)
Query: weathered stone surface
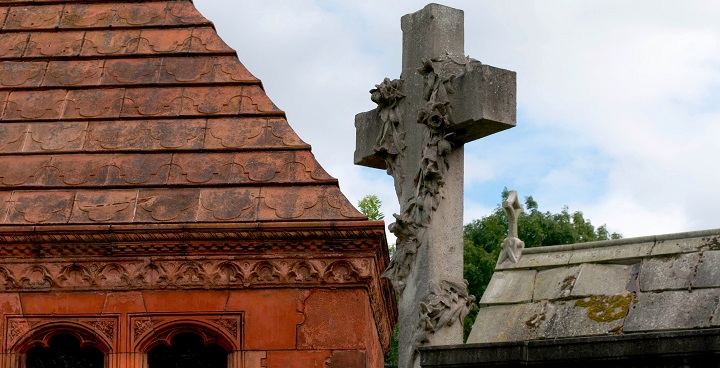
(555, 283)
(601, 279)
(668, 272)
(442, 100)
(530, 260)
(708, 270)
(672, 310)
(611, 253)
(584, 317)
(493, 111)
(500, 323)
(509, 287)
(674, 246)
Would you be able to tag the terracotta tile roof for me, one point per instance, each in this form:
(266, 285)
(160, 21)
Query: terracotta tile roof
(137, 112)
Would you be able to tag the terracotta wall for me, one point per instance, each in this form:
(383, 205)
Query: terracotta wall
(270, 328)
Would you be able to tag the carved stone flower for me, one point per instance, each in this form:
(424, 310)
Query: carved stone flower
(436, 116)
(387, 94)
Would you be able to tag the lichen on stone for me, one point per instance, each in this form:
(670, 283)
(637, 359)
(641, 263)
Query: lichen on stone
(606, 308)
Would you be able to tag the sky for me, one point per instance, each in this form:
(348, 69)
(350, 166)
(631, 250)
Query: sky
(618, 101)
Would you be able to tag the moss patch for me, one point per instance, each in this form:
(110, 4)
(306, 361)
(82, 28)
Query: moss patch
(606, 308)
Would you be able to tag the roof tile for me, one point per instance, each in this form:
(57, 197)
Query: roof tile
(54, 44)
(12, 137)
(104, 206)
(167, 205)
(131, 71)
(94, 103)
(150, 102)
(22, 74)
(12, 45)
(73, 73)
(88, 15)
(41, 207)
(57, 136)
(38, 17)
(35, 105)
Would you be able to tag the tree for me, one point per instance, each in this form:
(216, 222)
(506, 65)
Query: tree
(370, 207)
(482, 239)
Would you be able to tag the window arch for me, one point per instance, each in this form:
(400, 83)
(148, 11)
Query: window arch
(64, 350)
(61, 345)
(187, 349)
(189, 343)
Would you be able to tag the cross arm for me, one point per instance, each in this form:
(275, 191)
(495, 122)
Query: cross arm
(368, 128)
(483, 102)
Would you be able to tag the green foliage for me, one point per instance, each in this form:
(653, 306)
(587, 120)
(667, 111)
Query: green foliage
(391, 358)
(537, 229)
(370, 207)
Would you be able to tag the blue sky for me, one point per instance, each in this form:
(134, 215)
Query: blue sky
(618, 102)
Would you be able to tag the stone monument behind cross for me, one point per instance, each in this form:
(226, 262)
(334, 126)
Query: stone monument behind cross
(442, 100)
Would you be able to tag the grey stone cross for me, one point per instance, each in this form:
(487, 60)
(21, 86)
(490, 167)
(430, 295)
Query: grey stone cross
(512, 246)
(442, 100)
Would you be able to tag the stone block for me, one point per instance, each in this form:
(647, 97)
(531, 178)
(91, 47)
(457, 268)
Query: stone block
(672, 310)
(348, 359)
(611, 253)
(368, 128)
(62, 303)
(510, 287)
(10, 304)
(499, 323)
(675, 272)
(598, 315)
(495, 110)
(296, 359)
(674, 246)
(532, 260)
(271, 317)
(328, 325)
(708, 271)
(555, 283)
(601, 279)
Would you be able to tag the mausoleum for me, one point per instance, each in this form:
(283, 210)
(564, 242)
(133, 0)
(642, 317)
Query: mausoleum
(157, 210)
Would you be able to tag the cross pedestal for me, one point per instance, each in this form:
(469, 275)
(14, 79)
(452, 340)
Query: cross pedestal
(442, 100)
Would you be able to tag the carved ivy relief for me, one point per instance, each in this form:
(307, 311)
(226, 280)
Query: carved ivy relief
(446, 304)
(416, 213)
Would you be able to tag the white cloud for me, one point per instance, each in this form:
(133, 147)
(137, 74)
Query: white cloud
(621, 97)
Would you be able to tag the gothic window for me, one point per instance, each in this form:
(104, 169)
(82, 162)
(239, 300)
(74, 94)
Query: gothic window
(187, 349)
(64, 351)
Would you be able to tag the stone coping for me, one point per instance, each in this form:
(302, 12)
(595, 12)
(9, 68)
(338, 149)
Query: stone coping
(608, 243)
(666, 348)
(614, 250)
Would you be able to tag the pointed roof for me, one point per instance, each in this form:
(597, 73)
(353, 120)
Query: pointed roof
(136, 112)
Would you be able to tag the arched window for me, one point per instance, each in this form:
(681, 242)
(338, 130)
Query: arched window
(187, 349)
(64, 350)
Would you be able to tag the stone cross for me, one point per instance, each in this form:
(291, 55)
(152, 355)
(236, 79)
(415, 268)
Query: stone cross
(442, 100)
(512, 246)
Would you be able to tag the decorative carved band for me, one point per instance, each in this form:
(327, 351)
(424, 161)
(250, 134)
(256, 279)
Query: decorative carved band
(146, 273)
(106, 241)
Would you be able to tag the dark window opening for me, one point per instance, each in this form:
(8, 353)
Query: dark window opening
(187, 350)
(64, 351)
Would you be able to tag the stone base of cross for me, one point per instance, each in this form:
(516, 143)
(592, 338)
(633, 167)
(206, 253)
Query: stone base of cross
(442, 100)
